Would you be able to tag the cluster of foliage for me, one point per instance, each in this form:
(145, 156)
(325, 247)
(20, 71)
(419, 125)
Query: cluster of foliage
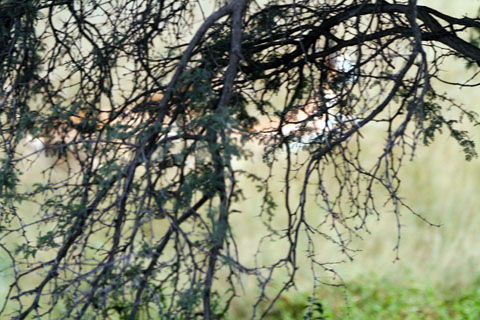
(139, 220)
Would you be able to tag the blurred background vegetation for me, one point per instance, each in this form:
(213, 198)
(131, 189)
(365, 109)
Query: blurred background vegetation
(438, 274)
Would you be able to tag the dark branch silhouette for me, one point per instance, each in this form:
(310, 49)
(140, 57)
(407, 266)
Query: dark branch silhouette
(143, 113)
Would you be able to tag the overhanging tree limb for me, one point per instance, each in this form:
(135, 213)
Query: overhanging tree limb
(136, 202)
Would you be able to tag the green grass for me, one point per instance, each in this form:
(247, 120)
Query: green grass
(371, 297)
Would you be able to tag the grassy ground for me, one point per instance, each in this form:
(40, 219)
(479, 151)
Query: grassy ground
(371, 297)
(438, 274)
